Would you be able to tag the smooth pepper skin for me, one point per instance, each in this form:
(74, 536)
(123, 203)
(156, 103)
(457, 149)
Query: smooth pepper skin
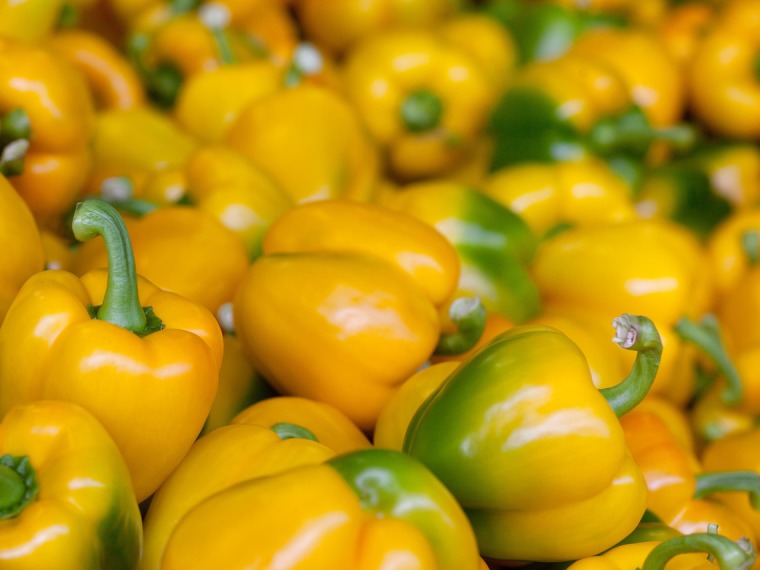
(84, 515)
(357, 511)
(152, 392)
(512, 433)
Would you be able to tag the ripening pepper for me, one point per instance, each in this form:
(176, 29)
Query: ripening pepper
(552, 195)
(21, 240)
(67, 500)
(328, 424)
(653, 267)
(317, 129)
(144, 361)
(512, 432)
(363, 510)
(224, 457)
(47, 122)
(180, 249)
(722, 82)
(434, 103)
(494, 244)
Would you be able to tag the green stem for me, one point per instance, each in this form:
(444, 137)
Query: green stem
(729, 481)
(635, 333)
(421, 111)
(18, 485)
(15, 132)
(751, 246)
(730, 555)
(163, 83)
(286, 430)
(216, 18)
(706, 336)
(121, 304)
(469, 317)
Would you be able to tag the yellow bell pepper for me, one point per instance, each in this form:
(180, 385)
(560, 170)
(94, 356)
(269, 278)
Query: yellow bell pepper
(433, 105)
(48, 118)
(322, 134)
(22, 243)
(328, 424)
(361, 510)
(359, 325)
(29, 20)
(144, 361)
(181, 249)
(216, 462)
(67, 500)
(728, 260)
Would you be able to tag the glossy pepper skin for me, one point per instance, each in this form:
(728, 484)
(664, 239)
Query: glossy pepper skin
(225, 457)
(435, 104)
(29, 20)
(321, 131)
(21, 240)
(59, 111)
(91, 342)
(67, 499)
(495, 245)
(511, 433)
(364, 327)
(362, 509)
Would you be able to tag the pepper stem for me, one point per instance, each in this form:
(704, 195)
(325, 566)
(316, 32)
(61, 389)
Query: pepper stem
(421, 111)
(751, 246)
(15, 132)
(163, 83)
(635, 333)
(729, 481)
(706, 336)
(286, 430)
(119, 192)
(216, 17)
(121, 304)
(469, 317)
(730, 555)
(18, 485)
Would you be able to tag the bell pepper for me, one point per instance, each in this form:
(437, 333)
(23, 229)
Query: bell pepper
(21, 240)
(339, 26)
(362, 510)
(393, 235)
(553, 195)
(93, 341)
(434, 104)
(702, 189)
(67, 500)
(728, 257)
(328, 424)
(578, 106)
(321, 133)
(653, 267)
(681, 30)
(723, 88)
(495, 245)
(112, 80)
(29, 21)
(47, 117)
(363, 327)
(511, 432)
(180, 249)
(225, 457)
(675, 553)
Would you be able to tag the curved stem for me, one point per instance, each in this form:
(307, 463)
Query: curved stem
(121, 304)
(216, 17)
(469, 317)
(18, 485)
(286, 430)
(706, 336)
(163, 83)
(729, 481)
(15, 132)
(635, 333)
(421, 111)
(730, 555)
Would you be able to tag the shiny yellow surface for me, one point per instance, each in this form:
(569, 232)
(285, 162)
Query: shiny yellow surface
(221, 459)
(392, 235)
(152, 394)
(29, 21)
(85, 503)
(363, 328)
(329, 425)
(632, 556)
(728, 261)
(323, 135)
(23, 253)
(386, 68)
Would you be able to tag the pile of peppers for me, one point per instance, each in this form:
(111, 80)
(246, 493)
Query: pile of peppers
(379, 284)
